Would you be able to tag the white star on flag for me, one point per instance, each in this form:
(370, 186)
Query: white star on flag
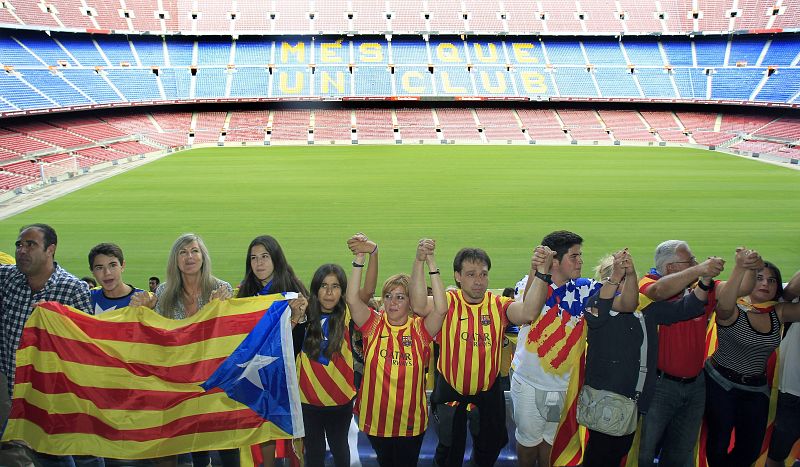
(252, 367)
(569, 297)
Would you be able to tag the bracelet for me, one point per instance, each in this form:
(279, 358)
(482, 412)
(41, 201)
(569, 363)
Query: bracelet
(356, 265)
(374, 249)
(432, 273)
(545, 277)
(609, 281)
(706, 288)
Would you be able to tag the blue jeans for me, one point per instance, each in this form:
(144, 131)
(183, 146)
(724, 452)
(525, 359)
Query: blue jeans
(672, 423)
(47, 460)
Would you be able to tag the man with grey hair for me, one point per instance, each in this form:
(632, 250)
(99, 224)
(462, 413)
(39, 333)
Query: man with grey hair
(673, 420)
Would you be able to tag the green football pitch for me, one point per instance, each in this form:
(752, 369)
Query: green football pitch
(500, 198)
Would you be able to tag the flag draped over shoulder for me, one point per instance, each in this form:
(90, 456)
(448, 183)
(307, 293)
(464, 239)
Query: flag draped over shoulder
(126, 384)
(570, 438)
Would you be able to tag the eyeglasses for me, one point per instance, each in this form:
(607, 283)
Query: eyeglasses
(691, 260)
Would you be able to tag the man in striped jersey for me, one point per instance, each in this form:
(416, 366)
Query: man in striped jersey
(471, 342)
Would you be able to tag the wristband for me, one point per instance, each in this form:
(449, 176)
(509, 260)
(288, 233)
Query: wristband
(356, 265)
(545, 277)
(609, 281)
(432, 273)
(374, 249)
(706, 288)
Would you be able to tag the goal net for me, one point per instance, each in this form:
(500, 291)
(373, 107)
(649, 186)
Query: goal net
(51, 171)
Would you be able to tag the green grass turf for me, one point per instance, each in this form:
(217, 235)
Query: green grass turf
(500, 198)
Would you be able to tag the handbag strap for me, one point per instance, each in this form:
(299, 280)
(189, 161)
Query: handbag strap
(642, 358)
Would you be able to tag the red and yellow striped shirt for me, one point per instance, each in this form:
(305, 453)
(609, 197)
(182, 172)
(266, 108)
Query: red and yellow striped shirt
(391, 400)
(328, 384)
(472, 342)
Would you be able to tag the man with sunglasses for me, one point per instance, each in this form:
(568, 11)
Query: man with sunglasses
(672, 423)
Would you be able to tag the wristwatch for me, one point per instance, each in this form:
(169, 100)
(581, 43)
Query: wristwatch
(545, 277)
(707, 288)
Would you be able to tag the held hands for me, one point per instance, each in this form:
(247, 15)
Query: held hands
(220, 293)
(542, 259)
(425, 248)
(144, 299)
(712, 267)
(360, 244)
(298, 307)
(748, 259)
(622, 265)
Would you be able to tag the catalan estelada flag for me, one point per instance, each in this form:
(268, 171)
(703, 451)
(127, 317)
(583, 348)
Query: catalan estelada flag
(570, 438)
(126, 384)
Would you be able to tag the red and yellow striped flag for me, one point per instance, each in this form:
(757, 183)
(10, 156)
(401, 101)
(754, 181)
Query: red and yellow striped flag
(570, 439)
(125, 384)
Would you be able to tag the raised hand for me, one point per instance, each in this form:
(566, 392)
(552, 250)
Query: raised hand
(220, 293)
(143, 298)
(359, 243)
(542, 259)
(712, 267)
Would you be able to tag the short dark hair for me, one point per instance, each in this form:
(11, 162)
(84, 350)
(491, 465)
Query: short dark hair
(561, 241)
(473, 255)
(509, 292)
(50, 237)
(108, 249)
(89, 280)
(154, 278)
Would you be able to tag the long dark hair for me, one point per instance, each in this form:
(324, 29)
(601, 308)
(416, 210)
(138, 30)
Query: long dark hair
(283, 277)
(336, 317)
(777, 272)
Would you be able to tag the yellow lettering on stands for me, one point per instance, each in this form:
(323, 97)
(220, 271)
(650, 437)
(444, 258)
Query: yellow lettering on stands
(328, 52)
(522, 52)
(450, 88)
(284, 83)
(299, 51)
(371, 52)
(492, 53)
(533, 82)
(326, 80)
(447, 52)
(498, 88)
(405, 81)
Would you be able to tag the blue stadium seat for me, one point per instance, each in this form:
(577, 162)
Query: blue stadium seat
(180, 51)
(150, 50)
(643, 52)
(45, 48)
(655, 82)
(710, 51)
(735, 83)
(211, 82)
(414, 81)
(92, 84)
(137, 84)
(82, 48)
(575, 82)
(11, 53)
(54, 87)
(782, 51)
(253, 52)
(745, 49)
(604, 52)
(117, 49)
(20, 95)
(781, 86)
(679, 51)
(214, 52)
(409, 52)
(616, 82)
(250, 81)
(564, 52)
(332, 81)
(373, 80)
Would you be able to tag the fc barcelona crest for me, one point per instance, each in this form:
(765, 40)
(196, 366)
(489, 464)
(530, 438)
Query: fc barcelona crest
(486, 320)
(407, 341)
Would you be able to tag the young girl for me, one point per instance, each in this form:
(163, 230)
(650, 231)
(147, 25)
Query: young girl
(325, 364)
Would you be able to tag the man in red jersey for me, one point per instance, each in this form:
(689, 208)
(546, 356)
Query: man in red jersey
(673, 421)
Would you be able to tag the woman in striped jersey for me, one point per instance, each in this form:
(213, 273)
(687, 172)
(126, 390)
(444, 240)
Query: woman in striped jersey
(325, 364)
(392, 406)
(737, 395)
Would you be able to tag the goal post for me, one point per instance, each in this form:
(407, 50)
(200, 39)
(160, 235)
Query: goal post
(51, 171)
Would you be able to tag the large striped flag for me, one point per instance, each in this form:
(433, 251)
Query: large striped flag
(126, 384)
(570, 438)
